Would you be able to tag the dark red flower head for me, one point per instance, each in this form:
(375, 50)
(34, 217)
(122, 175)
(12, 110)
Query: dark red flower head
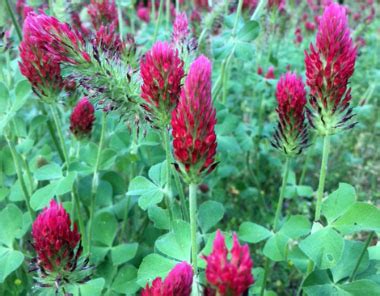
(177, 283)
(291, 135)
(102, 12)
(82, 119)
(161, 72)
(55, 243)
(193, 123)
(329, 65)
(270, 73)
(108, 40)
(228, 277)
(56, 39)
(181, 30)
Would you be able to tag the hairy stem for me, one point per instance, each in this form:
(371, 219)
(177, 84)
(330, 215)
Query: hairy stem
(322, 176)
(95, 178)
(158, 20)
(193, 225)
(282, 193)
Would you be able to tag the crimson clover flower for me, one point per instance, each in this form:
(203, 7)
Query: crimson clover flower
(82, 119)
(193, 123)
(102, 12)
(291, 135)
(329, 65)
(228, 276)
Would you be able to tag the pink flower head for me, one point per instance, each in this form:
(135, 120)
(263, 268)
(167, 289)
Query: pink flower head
(177, 283)
(260, 71)
(102, 12)
(181, 30)
(161, 72)
(55, 243)
(108, 40)
(310, 26)
(143, 13)
(249, 5)
(201, 5)
(23, 9)
(329, 65)
(78, 24)
(291, 135)
(229, 276)
(270, 73)
(57, 39)
(193, 123)
(82, 118)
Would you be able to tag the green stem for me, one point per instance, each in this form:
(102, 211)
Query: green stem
(238, 13)
(193, 225)
(169, 200)
(322, 176)
(60, 134)
(14, 20)
(266, 271)
(158, 21)
(167, 14)
(19, 175)
(95, 178)
(255, 16)
(282, 193)
(304, 168)
(368, 241)
(120, 20)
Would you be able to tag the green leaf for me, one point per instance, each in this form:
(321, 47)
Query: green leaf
(123, 253)
(319, 283)
(296, 226)
(249, 32)
(359, 217)
(275, 247)
(22, 92)
(209, 214)
(324, 247)
(150, 194)
(347, 263)
(176, 244)
(158, 174)
(125, 281)
(338, 202)
(153, 266)
(11, 221)
(92, 288)
(48, 172)
(253, 233)
(159, 217)
(361, 287)
(10, 260)
(304, 191)
(104, 228)
(42, 196)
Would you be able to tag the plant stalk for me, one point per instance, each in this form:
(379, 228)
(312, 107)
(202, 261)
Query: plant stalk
(282, 194)
(158, 20)
(20, 176)
(322, 176)
(368, 241)
(193, 225)
(95, 178)
(14, 20)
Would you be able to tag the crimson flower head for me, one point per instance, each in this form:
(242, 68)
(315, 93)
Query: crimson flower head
(161, 72)
(270, 73)
(291, 135)
(108, 40)
(178, 282)
(329, 65)
(102, 12)
(82, 119)
(228, 276)
(181, 30)
(55, 38)
(193, 123)
(56, 244)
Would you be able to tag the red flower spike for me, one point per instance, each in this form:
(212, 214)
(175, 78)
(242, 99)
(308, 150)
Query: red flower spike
(161, 72)
(102, 12)
(56, 39)
(228, 277)
(270, 73)
(291, 135)
(181, 30)
(329, 65)
(82, 119)
(108, 40)
(55, 243)
(193, 123)
(178, 282)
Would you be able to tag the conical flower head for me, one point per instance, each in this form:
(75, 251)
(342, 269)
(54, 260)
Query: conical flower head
(161, 72)
(230, 277)
(193, 123)
(56, 39)
(291, 135)
(329, 66)
(82, 119)
(102, 12)
(55, 243)
(108, 41)
(181, 29)
(177, 283)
